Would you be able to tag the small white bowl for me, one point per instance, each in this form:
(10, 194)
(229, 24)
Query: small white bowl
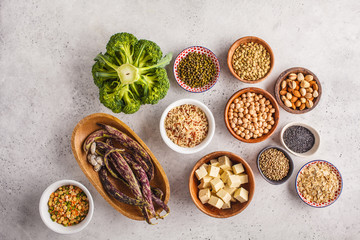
(311, 129)
(204, 143)
(45, 216)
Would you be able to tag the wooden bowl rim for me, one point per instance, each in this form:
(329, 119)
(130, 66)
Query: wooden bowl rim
(206, 159)
(245, 40)
(269, 97)
(283, 76)
(135, 137)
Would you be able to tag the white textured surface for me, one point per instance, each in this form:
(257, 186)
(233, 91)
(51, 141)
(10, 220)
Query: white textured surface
(46, 53)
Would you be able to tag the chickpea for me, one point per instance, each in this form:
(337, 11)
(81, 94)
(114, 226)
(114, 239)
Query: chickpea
(233, 125)
(247, 104)
(266, 130)
(241, 129)
(261, 131)
(255, 136)
(245, 120)
(235, 120)
(256, 132)
(232, 106)
(267, 102)
(269, 127)
(242, 135)
(236, 100)
(241, 115)
(272, 110)
(251, 134)
(247, 136)
(246, 111)
(272, 122)
(243, 95)
(247, 131)
(235, 129)
(241, 110)
(238, 132)
(237, 106)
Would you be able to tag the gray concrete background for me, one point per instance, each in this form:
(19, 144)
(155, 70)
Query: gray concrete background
(46, 54)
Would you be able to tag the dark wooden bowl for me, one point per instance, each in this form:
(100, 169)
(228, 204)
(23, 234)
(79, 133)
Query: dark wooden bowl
(258, 91)
(283, 76)
(88, 125)
(236, 207)
(247, 39)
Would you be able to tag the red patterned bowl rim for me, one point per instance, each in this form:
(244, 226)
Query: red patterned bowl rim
(338, 191)
(198, 49)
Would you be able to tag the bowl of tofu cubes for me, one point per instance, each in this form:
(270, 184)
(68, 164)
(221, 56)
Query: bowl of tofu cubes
(221, 184)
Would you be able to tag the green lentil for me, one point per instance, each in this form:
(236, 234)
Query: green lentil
(251, 61)
(196, 70)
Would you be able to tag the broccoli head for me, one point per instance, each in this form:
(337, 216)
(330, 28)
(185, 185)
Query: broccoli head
(131, 73)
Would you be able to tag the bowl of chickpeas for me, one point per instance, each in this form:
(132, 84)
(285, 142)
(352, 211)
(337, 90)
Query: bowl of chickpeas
(66, 207)
(251, 115)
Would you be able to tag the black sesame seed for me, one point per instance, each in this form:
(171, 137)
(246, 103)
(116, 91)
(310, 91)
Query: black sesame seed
(299, 139)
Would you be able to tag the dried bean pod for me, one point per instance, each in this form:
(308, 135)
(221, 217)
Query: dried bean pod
(98, 134)
(112, 191)
(133, 145)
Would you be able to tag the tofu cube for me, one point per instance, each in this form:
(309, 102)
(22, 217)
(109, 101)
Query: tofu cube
(225, 163)
(224, 195)
(242, 195)
(213, 171)
(226, 205)
(200, 172)
(204, 195)
(225, 175)
(214, 163)
(205, 182)
(238, 168)
(216, 184)
(205, 166)
(234, 181)
(216, 202)
(229, 190)
(244, 178)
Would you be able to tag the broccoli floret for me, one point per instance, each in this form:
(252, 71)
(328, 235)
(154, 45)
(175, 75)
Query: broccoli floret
(147, 53)
(131, 73)
(156, 86)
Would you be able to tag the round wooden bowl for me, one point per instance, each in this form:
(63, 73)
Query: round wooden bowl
(88, 125)
(265, 94)
(236, 207)
(247, 39)
(283, 76)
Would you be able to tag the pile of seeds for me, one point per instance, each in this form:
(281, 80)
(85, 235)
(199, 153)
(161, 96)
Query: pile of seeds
(196, 70)
(299, 92)
(251, 61)
(299, 139)
(251, 115)
(274, 164)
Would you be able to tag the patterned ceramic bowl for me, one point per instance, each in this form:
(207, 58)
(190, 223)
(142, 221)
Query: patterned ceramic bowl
(201, 50)
(337, 193)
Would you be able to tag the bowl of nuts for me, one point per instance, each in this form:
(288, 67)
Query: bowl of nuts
(319, 183)
(298, 90)
(251, 115)
(250, 59)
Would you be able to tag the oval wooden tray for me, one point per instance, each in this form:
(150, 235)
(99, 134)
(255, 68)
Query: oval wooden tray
(258, 91)
(88, 125)
(236, 207)
(283, 76)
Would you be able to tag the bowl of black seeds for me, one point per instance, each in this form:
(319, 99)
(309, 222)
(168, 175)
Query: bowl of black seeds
(300, 139)
(275, 165)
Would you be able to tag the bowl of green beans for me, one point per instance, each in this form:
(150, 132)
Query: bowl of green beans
(196, 69)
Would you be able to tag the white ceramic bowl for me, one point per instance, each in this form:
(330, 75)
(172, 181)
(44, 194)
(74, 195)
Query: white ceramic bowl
(311, 129)
(45, 216)
(204, 143)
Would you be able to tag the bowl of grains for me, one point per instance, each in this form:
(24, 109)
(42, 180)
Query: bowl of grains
(187, 126)
(66, 207)
(300, 139)
(196, 69)
(251, 115)
(250, 59)
(298, 90)
(275, 165)
(319, 183)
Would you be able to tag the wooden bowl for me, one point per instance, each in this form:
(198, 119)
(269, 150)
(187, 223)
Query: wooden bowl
(283, 76)
(243, 40)
(265, 94)
(236, 207)
(88, 125)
